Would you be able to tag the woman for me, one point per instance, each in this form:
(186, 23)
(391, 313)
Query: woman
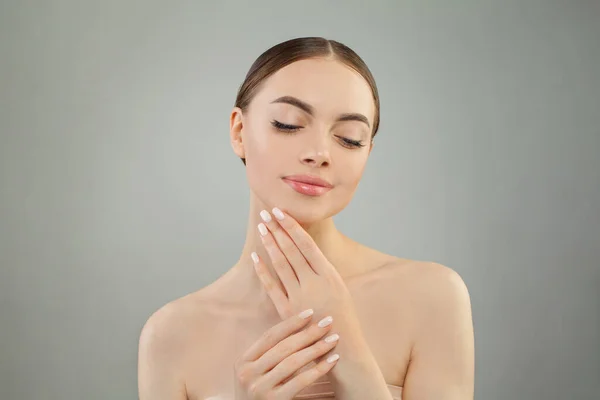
(303, 124)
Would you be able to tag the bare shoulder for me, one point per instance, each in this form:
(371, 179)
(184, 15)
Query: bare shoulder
(430, 276)
(170, 322)
(430, 283)
(426, 282)
(163, 343)
(431, 288)
(441, 329)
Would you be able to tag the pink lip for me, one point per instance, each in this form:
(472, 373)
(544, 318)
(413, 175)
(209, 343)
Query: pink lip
(308, 185)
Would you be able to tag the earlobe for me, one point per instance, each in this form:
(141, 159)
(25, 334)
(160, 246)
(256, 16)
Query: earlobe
(236, 127)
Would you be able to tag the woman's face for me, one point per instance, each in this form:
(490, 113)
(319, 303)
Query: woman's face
(311, 118)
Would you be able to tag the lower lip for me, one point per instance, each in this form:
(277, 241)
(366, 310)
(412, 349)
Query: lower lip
(306, 188)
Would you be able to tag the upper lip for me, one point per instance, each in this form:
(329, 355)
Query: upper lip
(310, 179)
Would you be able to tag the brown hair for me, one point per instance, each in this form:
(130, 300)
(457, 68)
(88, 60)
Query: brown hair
(297, 49)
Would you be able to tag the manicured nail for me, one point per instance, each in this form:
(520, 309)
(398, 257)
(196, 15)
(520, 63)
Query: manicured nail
(264, 214)
(325, 321)
(254, 257)
(278, 214)
(306, 313)
(332, 338)
(262, 229)
(332, 358)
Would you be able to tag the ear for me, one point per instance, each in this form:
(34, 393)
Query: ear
(371, 148)
(236, 126)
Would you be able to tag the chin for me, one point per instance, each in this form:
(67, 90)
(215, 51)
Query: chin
(312, 210)
(307, 210)
(306, 215)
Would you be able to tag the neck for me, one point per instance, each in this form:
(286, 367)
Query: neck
(332, 243)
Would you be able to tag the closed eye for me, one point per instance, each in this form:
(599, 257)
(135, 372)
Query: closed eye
(351, 143)
(285, 127)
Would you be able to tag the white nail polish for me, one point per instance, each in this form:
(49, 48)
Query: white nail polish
(278, 214)
(264, 214)
(332, 338)
(262, 229)
(306, 313)
(325, 321)
(332, 358)
(254, 257)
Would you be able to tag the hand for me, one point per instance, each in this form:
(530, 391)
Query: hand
(309, 279)
(261, 372)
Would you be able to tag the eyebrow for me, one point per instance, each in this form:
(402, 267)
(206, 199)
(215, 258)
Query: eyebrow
(307, 108)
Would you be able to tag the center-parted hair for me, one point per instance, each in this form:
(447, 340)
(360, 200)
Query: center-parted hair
(285, 53)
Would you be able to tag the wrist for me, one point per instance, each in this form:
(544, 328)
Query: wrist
(352, 344)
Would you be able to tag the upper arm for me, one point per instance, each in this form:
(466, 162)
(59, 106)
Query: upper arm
(158, 360)
(442, 359)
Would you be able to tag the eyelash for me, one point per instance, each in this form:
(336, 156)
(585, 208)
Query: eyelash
(290, 129)
(285, 127)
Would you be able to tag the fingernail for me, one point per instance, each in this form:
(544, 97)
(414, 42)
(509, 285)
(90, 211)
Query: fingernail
(306, 313)
(254, 257)
(325, 321)
(332, 338)
(278, 214)
(264, 214)
(262, 229)
(332, 358)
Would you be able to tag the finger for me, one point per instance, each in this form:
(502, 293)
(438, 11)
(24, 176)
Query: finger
(291, 345)
(294, 362)
(273, 289)
(295, 385)
(275, 334)
(284, 270)
(287, 246)
(304, 242)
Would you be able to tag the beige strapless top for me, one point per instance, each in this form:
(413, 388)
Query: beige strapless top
(324, 390)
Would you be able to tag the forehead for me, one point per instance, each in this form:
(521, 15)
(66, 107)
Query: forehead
(329, 85)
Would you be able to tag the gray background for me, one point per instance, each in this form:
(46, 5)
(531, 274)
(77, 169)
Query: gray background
(119, 190)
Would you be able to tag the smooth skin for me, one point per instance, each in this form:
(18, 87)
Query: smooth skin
(414, 315)
(265, 370)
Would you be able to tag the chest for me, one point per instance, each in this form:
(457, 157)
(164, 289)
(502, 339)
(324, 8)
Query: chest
(383, 322)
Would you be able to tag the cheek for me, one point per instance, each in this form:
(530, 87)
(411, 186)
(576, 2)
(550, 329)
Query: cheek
(350, 171)
(264, 157)
(261, 142)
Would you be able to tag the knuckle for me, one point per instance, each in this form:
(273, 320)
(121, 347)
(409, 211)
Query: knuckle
(287, 246)
(320, 368)
(297, 231)
(304, 244)
(267, 336)
(244, 376)
(268, 284)
(315, 350)
(293, 363)
(285, 349)
(254, 390)
(279, 265)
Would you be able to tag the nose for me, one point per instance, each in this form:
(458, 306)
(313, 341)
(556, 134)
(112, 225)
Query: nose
(316, 157)
(315, 151)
